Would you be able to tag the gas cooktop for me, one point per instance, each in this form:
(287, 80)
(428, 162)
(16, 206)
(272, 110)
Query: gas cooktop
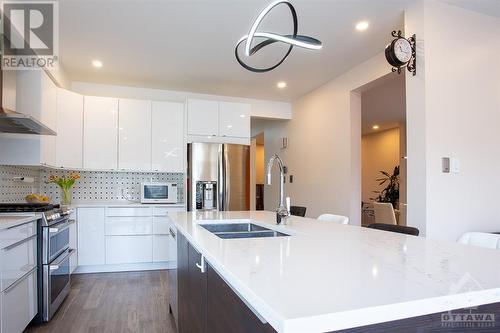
(26, 207)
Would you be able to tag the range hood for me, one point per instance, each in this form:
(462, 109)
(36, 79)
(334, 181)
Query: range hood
(15, 122)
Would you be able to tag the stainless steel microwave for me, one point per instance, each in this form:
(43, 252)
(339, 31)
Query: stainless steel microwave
(158, 193)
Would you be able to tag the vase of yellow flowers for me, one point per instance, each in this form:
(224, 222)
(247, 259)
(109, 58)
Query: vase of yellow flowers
(65, 183)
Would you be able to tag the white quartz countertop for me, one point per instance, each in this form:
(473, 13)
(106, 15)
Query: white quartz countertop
(327, 277)
(120, 204)
(10, 220)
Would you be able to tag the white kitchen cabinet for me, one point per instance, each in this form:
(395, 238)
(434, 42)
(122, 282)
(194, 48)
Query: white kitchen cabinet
(161, 225)
(167, 136)
(35, 96)
(100, 133)
(234, 119)
(69, 140)
(48, 117)
(218, 122)
(129, 225)
(129, 249)
(19, 304)
(73, 243)
(202, 117)
(162, 248)
(91, 248)
(134, 135)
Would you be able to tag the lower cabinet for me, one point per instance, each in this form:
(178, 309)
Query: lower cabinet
(19, 304)
(206, 302)
(125, 238)
(128, 249)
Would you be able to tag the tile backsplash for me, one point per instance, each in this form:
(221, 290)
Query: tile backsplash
(12, 189)
(108, 185)
(92, 186)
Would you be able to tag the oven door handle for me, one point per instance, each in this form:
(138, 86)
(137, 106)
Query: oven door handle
(62, 227)
(55, 265)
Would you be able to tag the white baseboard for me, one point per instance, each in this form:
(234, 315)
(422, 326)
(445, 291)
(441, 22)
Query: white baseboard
(146, 266)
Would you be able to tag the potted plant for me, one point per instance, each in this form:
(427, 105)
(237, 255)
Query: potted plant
(391, 191)
(65, 183)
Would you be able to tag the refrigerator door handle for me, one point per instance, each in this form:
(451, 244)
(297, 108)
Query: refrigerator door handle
(220, 203)
(227, 179)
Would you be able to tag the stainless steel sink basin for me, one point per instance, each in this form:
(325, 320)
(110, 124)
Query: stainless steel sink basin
(232, 227)
(251, 234)
(241, 230)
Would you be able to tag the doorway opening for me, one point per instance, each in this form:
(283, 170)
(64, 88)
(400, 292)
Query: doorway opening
(383, 151)
(258, 164)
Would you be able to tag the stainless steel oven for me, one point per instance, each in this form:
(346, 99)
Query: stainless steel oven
(55, 239)
(56, 283)
(54, 279)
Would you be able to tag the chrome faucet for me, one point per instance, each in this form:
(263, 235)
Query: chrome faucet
(281, 212)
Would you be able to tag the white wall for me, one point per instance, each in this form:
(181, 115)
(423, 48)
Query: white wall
(324, 145)
(380, 152)
(260, 108)
(453, 109)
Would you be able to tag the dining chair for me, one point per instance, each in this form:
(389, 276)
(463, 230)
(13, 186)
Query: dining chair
(400, 229)
(334, 218)
(481, 239)
(384, 213)
(298, 211)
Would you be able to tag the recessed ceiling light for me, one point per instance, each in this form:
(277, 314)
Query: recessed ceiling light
(281, 85)
(375, 127)
(362, 26)
(97, 63)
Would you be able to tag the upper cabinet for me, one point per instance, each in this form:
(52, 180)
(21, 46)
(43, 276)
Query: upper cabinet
(100, 133)
(69, 140)
(203, 117)
(167, 129)
(215, 121)
(234, 119)
(36, 96)
(48, 117)
(134, 135)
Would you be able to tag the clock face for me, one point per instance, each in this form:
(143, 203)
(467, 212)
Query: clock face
(402, 50)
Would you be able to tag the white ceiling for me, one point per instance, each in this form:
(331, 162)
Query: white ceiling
(188, 45)
(488, 7)
(383, 104)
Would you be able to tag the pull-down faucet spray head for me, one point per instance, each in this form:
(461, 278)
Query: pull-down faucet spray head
(281, 212)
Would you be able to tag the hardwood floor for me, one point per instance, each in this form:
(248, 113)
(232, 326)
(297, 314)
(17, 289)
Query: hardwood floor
(114, 302)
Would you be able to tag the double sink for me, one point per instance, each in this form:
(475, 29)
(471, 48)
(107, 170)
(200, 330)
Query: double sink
(241, 230)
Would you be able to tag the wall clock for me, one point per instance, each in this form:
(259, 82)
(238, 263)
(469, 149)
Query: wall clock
(401, 52)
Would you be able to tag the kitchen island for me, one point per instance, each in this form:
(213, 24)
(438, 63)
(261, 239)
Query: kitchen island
(326, 277)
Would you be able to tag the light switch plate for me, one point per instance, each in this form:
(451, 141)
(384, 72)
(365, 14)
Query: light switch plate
(445, 165)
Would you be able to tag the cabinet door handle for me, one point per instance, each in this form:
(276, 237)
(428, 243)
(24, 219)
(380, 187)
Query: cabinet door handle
(172, 233)
(202, 265)
(21, 279)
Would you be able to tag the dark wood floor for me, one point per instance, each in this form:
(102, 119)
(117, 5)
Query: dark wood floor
(114, 302)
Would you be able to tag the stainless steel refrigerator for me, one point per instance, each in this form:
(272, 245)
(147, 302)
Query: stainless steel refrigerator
(218, 177)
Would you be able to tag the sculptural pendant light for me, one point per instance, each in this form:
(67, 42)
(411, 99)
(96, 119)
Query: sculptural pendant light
(270, 38)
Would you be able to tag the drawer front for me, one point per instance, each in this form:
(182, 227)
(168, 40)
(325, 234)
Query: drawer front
(16, 234)
(17, 260)
(161, 225)
(161, 248)
(129, 211)
(116, 226)
(19, 304)
(129, 249)
(163, 211)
